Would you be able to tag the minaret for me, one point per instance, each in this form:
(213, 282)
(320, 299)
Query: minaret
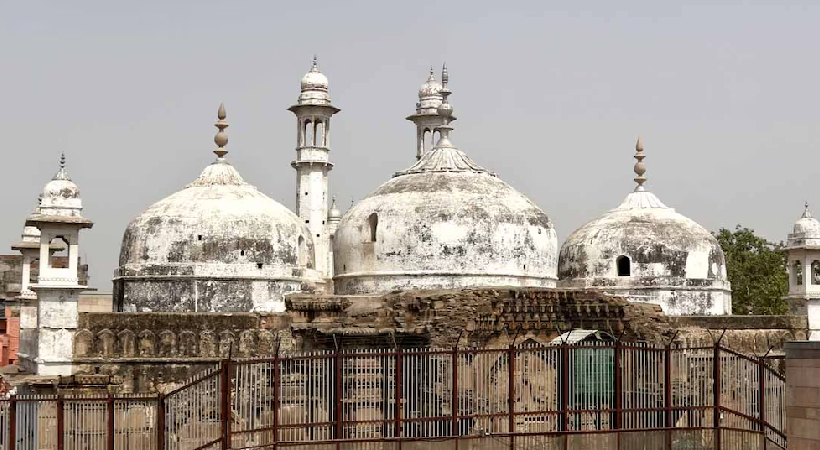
(426, 117)
(803, 262)
(49, 351)
(313, 111)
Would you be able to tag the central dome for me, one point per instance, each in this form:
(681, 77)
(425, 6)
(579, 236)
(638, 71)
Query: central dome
(444, 223)
(217, 245)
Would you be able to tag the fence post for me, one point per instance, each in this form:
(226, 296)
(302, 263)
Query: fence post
(161, 422)
(225, 395)
(110, 421)
(618, 387)
(565, 393)
(60, 423)
(454, 394)
(667, 396)
(397, 407)
(12, 421)
(511, 391)
(277, 373)
(761, 404)
(338, 395)
(717, 388)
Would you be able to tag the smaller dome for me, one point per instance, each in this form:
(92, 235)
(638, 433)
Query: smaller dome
(61, 196)
(806, 231)
(334, 213)
(806, 225)
(430, 88)
(314, 80)
(314, 87)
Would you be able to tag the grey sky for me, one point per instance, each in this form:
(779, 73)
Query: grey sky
(550, 95)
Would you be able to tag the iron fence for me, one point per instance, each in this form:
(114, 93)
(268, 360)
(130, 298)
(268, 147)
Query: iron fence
(695, 397)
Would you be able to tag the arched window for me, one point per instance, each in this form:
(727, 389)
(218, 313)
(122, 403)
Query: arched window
(426, 137)
(623, 266)
(60, 252)
(815, 272)
(798, 273)
(308, 136)
(302, 252)
(319, 134)
(373, 220)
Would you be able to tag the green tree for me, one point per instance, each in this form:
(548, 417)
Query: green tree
(757, 271)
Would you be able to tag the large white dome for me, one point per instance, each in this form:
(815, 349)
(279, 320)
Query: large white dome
(217, 228)
(217, 245)
(443, 223)
(646, 251)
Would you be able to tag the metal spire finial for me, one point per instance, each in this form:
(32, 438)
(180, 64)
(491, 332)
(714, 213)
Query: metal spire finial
(445, 110)
(640, 169)
(806, 212)
(221, 139)
(315, 67)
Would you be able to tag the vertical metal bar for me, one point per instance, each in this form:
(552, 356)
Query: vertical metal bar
(110, 422)
(717, 387)
(12, 421)
(667, 396)
(225, 399)
(277, 373)
(454, 394)
(761, 403)
(161, 422)
(511, 394)
(60, 423)
(565, 393)
(338, 395)
(618, 387)
(397, 395)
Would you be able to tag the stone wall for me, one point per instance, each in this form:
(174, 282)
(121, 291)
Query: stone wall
(803, 395)
(147, 352)
(155, 351)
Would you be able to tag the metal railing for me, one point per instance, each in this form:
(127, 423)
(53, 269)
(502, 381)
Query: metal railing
(712, 395)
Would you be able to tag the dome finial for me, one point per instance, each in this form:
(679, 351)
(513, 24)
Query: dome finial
(61, 173)
(221, 139)
(445, 110)
(806, 212)
(640, 169)
(315, 66)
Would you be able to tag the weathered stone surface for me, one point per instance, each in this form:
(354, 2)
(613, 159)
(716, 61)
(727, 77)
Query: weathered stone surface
(139, 347)
(217, 245)
(443, 230)
(669, 259)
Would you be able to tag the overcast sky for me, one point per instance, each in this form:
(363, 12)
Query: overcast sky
(550, 95)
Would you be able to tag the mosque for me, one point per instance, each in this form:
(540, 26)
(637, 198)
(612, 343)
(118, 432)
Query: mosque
(445, 222)
(220, 245)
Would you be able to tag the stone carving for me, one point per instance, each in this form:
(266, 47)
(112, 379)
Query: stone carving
(83, 342)
(128, 343)
(207, 344)
(147, 343)
(106, 343)
(187, 344)
(246, 343)
(167, 344)
(226, 344)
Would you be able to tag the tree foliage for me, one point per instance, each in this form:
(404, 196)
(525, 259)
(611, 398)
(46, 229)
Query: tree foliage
(757, 271)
